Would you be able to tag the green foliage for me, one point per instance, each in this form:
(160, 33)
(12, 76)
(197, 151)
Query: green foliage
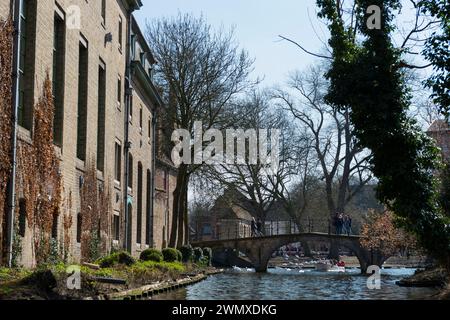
(54, 256)
(16, 247)
(162, 266)
(445, 192)
(179, 255)
(122, 257)
(198, 254)
(170, 254)
(437, 51)
(94, 247)
(368, 78)
(207, 254)
(151, 255)
(187, 253)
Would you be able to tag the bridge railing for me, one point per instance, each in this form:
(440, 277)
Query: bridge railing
(238, 229)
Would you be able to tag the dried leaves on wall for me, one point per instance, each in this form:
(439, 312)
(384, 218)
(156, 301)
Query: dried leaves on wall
(6, 37)
(38, 175)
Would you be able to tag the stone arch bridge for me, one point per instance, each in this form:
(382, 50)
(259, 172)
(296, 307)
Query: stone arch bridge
(259, 250)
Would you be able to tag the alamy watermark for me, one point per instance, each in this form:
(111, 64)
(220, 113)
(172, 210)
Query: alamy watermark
(374, 281)
(242, 147)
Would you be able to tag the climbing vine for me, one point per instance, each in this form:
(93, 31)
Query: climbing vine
(38, 176)
(6, 36)
(368, 78)
(95, 215)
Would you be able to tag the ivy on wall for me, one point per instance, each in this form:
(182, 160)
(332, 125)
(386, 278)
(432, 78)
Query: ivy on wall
(39, 179)
(95, 215)
(6, 40)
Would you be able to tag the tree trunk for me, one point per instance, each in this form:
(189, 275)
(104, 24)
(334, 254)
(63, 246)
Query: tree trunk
(179, 199)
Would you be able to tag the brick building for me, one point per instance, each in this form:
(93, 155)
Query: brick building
(105, 113)
(440, 131)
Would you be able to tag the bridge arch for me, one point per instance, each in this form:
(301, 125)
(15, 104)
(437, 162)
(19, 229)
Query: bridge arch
(260, 249)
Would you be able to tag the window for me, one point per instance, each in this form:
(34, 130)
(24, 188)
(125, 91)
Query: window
(79, 221)
(139, 203)
(207, 229)
(103, 11)
(166, 180)
(149, 198)
(26, 65)
(58, 77)
(101, 117)
(118, 162)
(140, 119)
(130, 171)
(116, 227)
(149, 129)
(83, 70)
(22, 217)
(55, 226)
(119, 91)
(120, 33)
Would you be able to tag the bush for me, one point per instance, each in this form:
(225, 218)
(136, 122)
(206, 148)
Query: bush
(179, 256)
(121, 257)
(198, 254)
(187, 253)
(151, 255)
(170, 254)
(207, 254)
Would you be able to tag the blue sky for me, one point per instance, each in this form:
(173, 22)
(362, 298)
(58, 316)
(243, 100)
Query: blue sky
(257, 26)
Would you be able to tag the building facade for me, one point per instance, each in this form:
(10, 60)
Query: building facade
(105, 113)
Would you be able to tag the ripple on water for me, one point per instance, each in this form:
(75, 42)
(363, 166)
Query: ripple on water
(280, 284)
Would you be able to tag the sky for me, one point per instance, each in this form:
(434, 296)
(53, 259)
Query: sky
(257, 25)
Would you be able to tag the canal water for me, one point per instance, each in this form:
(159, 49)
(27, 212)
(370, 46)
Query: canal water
(285, 284)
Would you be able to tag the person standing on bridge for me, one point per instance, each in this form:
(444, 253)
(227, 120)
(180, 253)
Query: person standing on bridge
(348, 224)
(259, 228)
(253, 226)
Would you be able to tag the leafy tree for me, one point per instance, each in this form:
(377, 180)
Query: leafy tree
(437, 51)
(368, 77)
(381, 235)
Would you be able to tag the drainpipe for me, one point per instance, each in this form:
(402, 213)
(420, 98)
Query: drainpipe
(15, 101)
(152, 214)
(128, 102)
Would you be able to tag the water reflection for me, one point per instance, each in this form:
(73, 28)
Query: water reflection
(282, 284)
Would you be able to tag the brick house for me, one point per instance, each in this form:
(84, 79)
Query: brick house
(440, 131)
(106, 110)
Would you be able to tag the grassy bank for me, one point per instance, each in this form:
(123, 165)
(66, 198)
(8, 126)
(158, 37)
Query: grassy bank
(115, 273)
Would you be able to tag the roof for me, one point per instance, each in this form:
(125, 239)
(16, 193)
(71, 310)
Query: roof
(439, 126)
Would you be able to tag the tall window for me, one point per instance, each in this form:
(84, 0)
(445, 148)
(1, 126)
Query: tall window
(118, 162)
(120, 33)
(139, 203)
(119, 91)
(79, 221)
(140, 119)
(26, 64)
(58, 77)
(130, 171)
(103, 11)
(55, 226)
(101, 117)
(22, 217)
(149, 129)
(116, 227)
(82, 100)
(149, 194)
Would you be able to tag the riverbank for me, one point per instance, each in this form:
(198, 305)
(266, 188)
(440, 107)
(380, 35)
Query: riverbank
(120, 282)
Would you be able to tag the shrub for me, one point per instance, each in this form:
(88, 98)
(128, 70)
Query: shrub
(170, 254)
(151, 255)
(207, 254)
(198, 254)
(179, 256)
(121, 257)
(187, 253)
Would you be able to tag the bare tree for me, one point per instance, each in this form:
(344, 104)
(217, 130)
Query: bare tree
(200, 72)
(261, 186)
(341, 160)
